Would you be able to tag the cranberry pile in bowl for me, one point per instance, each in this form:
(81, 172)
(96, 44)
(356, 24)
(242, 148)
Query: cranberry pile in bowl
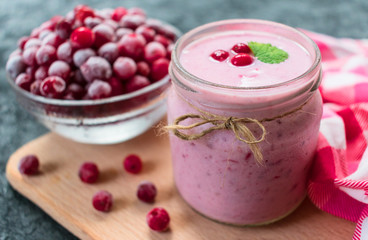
(95, 76)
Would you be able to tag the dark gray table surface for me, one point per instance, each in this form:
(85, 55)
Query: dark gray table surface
(20, 218)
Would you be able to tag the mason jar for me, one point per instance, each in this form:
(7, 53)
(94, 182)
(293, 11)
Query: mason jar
(228, 175)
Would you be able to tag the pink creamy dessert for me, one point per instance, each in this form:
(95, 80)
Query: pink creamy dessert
(217, 174)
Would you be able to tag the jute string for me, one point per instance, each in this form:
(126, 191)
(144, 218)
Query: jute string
(239, 126)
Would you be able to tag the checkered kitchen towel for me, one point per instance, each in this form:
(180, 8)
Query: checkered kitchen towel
(339, 177)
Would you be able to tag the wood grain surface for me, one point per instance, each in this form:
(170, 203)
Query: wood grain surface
(59, 192)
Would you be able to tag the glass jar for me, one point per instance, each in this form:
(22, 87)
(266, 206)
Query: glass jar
(217, 174)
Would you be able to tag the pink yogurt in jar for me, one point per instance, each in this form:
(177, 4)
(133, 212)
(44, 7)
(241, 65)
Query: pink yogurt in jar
(217, 174)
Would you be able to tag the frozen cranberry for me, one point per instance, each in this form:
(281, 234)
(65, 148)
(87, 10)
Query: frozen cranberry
(146, 192)
(242, 59)
(132, 164)
(99, 89)
(77, 77)
(109, 51)
(104, 33)
(102, 201)
(63, 29)
(75, 91)
(35, 87)
(52, 87)
(132, 21)
(29, 56)
(220, 55)
(122, 31)
(91, 22)
(22, 41)
(136, 11)
(82, 37)
(166, 31)
(32, 42)
(44, 34)
(147, 32)
(65, 52)
(132, 45)
(46, 54)
(96, 68)
(28, 165)
(124, 68)
(81, 12)
(136, 82)
(55, 19)
(16, 52)
(15, 66)
(118, 13)
(163, 40)
(88, 172)
(41, 72)
(52, 39)
(60, 69)
(31, 70)
(241, 48)
(169, 50)
(104, 13)
(24, 81)
(159, 69)
(154, 51)
(82, 55)
(158, 219)
(143, 68)
(116, 86)
(49, 25)
(111, 23)
(36, 32)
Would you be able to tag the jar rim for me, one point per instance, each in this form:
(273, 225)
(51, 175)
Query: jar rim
(194, 78)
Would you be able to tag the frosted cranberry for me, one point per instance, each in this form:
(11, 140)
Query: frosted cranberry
(96, 68)
(122, 31)
(45, 54)
(132, 45)
(136, 11)
(35, 87)
(36, 32)
(88, 172)
(44, 34)
(15, 66)
(28, 165)
(22, 41)
(111, 23)
(143, 68)
(146, 192)
(241, 48)
(154, 51)
(16, 52)
(220, 55)
(169, 49)
(81, 12)
(52, 87)
(60, 69)
(63, 29)
(77, 77)
(102, 201)
(116, 86)
(124, 67)
(32, 42)
(158, 219)
(75, 91)
(118, 13)
(104, 33)
(109, 51)
(91, 22)
(166, 31)
(132, 164)
(29, 56)
(159, 69)
(99, 89)
(137, 82)
(163, 40)
(147, 32)
(242, 59)
(49, 25)
(65, 52)
(82, 37)
(24, 81)
(52, 39)
(82, 55)
(41, 73)
(31, 70)
(55, 19)
(105, 13)
(132, 21)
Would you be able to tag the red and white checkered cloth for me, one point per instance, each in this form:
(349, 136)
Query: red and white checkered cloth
(339, 178)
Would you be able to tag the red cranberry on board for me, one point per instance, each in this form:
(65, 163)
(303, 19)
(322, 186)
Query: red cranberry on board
(137, 82)
(82, 37)
(82, 55)
(60, 69)
(109, 51)
(146, 192)
(154, 51)
(102, 201)
(124, 67)
(24, 81)
(96, 68)
(88, 172)
(132, 45)
(99, 89)
(158, 219)
(28, 165)
(220, 55)
(15, 66)
(46, 54)
(241, 59)
(132, 164)
(52, 87)
(159, 69)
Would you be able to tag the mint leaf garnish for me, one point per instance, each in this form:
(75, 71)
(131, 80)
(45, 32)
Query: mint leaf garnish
(267, 53)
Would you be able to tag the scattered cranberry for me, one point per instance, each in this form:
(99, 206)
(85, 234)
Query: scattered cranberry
(102, 201)
(143, 68)
(118, 13)
(241, 48)
(24, 81)
(46, 54)
(124, 68)
(220, 55)
(29, 56)
(65, 52)
(146, 192)
(132, 164)
(28, 165)
(81, 12)
(132, 45)
(96, 68)
(158, 219)
(82, 37)
(60, 69)
(154, 51)
(137, 82)
(52, 87)
(99, 89)
(103, 33)
(82, 55)
(88, 172)
(15, 66)
(109, 51)
(241, 59)
(159, 69)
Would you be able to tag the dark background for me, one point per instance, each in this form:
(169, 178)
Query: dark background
(21, 219)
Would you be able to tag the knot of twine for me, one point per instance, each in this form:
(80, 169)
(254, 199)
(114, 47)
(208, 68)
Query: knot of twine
(237, 125)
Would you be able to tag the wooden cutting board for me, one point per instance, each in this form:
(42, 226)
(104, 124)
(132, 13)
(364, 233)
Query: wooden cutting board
(60, 193)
